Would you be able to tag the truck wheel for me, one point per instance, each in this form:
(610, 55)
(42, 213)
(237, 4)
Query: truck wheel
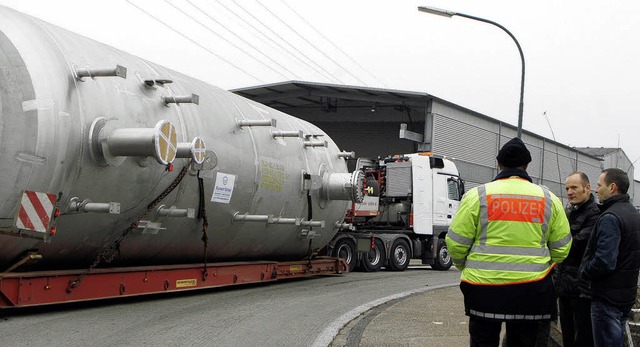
(346, 249)
(400, 255)
(373, 261)
(443, 258)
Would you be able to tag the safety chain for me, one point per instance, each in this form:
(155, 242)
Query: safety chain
(202, 214)
(309, 217)
(109, 254)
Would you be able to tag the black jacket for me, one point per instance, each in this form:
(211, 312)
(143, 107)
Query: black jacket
(617, 287)
(582, 220)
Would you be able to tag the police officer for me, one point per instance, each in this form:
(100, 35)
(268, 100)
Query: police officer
(506, 237)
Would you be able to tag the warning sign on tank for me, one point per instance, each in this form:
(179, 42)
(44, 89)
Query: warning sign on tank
(223, 188)
(273, 175)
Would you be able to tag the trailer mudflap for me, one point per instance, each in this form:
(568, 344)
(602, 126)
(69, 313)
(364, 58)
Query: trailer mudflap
(53, 287)
(364, 245)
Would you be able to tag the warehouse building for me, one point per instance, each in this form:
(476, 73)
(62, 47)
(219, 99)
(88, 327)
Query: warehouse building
(616, 157)
(378, 122)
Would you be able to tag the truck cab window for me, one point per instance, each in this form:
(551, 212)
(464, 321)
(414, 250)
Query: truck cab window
(454, 193)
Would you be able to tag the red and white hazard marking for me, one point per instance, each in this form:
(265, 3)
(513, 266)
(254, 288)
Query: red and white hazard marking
(35, 211)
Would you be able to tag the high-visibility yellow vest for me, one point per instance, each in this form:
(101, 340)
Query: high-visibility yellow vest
(508, 231)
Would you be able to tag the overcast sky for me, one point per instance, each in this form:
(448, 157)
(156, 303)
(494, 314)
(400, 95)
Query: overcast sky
(582, 57)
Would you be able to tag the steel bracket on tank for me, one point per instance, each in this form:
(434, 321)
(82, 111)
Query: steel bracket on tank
(307, 234)
(287, 133)
(151, 83)
(312, 140)
(173, 211)
(210, 162)
(110, 146)
(256, 122)
(345, 226)
(347, 155)
(149, 227)
(314, 144)
(269, 219)
(118, 71)
(310, 181)
(181, 99)
(75, 205)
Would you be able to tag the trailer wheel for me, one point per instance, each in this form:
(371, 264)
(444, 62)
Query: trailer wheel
(443, 259)
(346, 249)
(373, 261)
(400, 255)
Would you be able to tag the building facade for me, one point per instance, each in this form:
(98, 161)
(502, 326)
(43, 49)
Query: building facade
(379, 122)
(616, 157)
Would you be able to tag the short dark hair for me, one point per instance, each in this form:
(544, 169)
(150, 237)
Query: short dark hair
(583, 177)
(617, 176)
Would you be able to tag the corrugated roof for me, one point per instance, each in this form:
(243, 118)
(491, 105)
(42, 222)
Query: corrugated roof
(303, 94)
(300, 94)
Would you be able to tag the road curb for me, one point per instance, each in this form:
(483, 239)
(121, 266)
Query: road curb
(354, 322)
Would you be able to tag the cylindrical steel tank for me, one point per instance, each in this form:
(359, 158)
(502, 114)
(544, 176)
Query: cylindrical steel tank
(63, 111)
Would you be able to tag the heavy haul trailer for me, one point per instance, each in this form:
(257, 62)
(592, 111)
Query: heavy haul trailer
(113, 170)
(409, 203)
(22, 289)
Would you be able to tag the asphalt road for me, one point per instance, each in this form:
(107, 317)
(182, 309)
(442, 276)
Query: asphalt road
(289, 313)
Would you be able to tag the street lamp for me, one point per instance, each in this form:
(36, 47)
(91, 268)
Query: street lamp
(450, 14)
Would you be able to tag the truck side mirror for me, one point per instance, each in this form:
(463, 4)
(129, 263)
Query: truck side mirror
(461, 188)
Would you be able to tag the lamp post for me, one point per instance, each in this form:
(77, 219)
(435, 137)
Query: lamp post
(450, 14)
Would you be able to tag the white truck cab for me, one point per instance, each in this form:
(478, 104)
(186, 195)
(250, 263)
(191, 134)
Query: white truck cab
(409, 203)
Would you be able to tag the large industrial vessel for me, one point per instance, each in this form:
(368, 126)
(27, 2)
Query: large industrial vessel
(110, 160)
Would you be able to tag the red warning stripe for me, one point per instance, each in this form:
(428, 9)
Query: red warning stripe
(35, 211)
(37, 206)
(24, 219)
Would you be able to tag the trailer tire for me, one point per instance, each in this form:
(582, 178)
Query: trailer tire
(400, 255)
(375, 258)
(346, 249)
(443, 259)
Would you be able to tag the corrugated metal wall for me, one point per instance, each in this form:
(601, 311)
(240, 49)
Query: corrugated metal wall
(369, 140)
(464, 141)
(474, 143)
(472, 140)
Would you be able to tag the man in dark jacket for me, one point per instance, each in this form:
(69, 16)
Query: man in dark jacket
(609, 271)
(575, 308)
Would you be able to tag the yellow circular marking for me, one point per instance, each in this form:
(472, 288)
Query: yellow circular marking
(166, 142)
(198, 150)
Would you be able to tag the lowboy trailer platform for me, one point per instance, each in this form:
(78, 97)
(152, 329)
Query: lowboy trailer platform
(53, 287)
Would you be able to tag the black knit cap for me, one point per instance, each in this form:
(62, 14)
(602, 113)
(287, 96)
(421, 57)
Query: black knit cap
(514, 153)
